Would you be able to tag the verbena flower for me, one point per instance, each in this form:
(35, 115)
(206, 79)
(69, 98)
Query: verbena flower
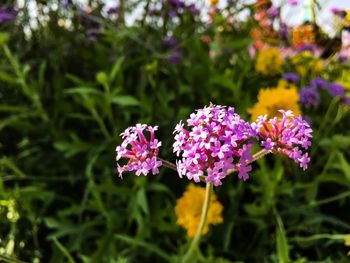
(336, 89)
(288, 135)
(309, 97)
(113, 10)
(319, 83)
(291, 77)
(215, 143)
(269, 61)
(170, 42)
(175, 57)
(141, 152)
(189, 207)
(7, 15)
(273, 11)
(270, 100)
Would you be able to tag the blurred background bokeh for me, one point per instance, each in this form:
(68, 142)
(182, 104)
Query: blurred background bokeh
(75, 74)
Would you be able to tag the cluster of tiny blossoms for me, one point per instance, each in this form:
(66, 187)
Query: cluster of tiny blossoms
(216, 143)
(289, 135)
(142, 153)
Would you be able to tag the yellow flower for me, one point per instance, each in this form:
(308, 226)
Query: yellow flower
(213, 2)
(305, 62)
(347, 16)
(345, 84)
(269, 61)
(270, 100)
(189, 208)
(347, 242)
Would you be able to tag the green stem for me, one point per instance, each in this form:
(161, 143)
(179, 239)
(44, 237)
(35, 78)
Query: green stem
(168, 164)
(195, 242)
(259, 155)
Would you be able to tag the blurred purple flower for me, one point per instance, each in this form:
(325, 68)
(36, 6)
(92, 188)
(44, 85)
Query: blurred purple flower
(284, 32)
(336, 10)
(273, 11)
(335, 89)
(112, 10)
(170, 42)
(291, 77)
(345, 100)
(65, 4)
(175, 57)
(7, 15)
(342, 58)
(293, 2)
(176, 3)
(93, 33)
(193, 9)
(308, 47)
(309, 97)
(172, 13)
(319, 83)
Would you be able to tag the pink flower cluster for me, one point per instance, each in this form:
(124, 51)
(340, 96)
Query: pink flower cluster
(289, 135)
(142, 153)
(216, 143)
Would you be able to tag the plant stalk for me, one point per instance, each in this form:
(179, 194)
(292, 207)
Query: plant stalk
(193, 248)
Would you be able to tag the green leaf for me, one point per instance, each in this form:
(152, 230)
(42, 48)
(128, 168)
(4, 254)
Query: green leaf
(281, 242)
(125, 101)
(4, 37)
(146, 245)
(63, 250)
(116, 69)
(142, 200)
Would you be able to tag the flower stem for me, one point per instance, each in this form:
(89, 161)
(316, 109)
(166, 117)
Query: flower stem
(259, 154)
(168, 164)
(193, 248)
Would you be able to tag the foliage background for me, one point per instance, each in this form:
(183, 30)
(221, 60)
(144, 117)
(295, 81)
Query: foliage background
(67, 93)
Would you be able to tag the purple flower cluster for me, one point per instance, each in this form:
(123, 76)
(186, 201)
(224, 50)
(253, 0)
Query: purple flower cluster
(335, 89)
(142, 153)
(175, 57)
(178, 7)
(170, 42)
(273, 11)
(288, 135)
(309, 97)
(291, 77)
(7, 15)
(319, 83)
(215, 144)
